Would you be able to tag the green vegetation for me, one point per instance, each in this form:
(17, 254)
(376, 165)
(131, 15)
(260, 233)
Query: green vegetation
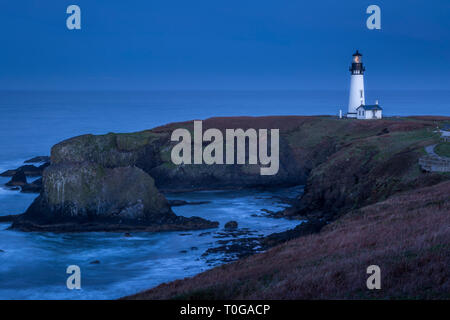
(134, 141)
(443, 149)
(109, 150)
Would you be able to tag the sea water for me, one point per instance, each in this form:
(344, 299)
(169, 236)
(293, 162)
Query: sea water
(33, 265)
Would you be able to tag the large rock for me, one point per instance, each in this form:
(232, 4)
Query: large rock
(33, 187)
(231, 225)
(38, 159)
(86, 197)
(110, 150)
(28, 170)
(17, 180)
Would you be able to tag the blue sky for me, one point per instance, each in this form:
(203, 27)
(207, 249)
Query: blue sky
(217, 44)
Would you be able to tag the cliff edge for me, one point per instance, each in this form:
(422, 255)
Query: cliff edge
(114, 181)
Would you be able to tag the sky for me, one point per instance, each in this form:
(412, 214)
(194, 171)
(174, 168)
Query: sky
(217, 44)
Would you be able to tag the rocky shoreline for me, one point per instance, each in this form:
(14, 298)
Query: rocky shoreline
(19, 176)
(115, 181)
(238, 248)
(23, 223)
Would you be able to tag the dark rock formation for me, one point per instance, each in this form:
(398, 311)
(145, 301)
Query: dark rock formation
(231, 250)
(18, 179)
(34, 187)
(28, 170)
(8, 173)
(9, 218)
(88, 197)
(38, 159)
(42, 167)
(231, 225)
(179, 203)
(306, 228)
(19, 175)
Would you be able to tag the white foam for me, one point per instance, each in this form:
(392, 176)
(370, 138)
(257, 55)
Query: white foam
(7, 192)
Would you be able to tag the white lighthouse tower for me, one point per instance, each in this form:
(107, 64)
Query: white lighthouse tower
(357, 96)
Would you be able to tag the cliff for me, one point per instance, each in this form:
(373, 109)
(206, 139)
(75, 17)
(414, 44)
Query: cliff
(113, 181)
(369, 165)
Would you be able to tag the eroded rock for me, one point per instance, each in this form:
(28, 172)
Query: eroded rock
(89, 197)
(231, 225)
(28, 170)
(38, 159)
(33, 187)
(18, 179)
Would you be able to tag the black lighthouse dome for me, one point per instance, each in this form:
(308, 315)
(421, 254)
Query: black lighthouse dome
(357, 65)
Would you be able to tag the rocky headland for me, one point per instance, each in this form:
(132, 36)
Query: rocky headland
(116, 181)
(364, 193)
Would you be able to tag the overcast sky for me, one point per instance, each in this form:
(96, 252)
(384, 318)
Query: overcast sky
(218, 44)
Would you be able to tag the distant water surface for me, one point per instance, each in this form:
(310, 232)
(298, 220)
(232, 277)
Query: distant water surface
(31, 122)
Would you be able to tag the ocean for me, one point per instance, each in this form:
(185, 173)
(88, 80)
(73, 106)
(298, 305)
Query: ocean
(31, 122)
(32, 265)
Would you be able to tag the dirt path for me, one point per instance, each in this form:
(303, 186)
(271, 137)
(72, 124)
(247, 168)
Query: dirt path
(434, 162)
(430, 150)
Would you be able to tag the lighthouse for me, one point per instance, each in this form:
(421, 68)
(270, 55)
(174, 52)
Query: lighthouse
(357, 97)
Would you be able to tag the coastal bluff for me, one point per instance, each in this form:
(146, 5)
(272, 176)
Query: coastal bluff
(116, 181)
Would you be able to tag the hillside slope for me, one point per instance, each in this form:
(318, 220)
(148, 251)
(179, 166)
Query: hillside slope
(407, 235)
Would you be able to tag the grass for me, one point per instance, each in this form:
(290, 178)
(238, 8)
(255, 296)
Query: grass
(135, 140)
(443, 149)
(407, 235)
